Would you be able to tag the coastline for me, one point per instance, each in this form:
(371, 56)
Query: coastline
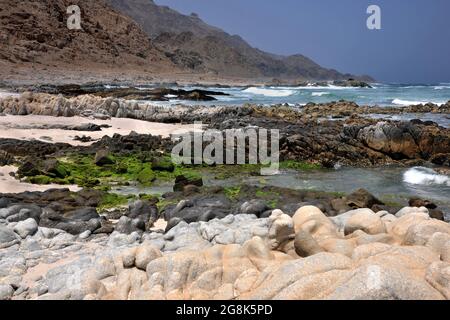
(220, 216)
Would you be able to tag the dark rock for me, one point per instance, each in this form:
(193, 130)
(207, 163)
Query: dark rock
(172, 223)
(82, 214)
(362, 199)
(160, 164)
(83, 138)
(255, 206)
(21, 212)
(144, 210)
(29, 168)
(182, 181)
(6, 158)
(200, 208)
(417, 202)
(102, 158)
(4, 202)
(54, 168)
(7, 237)
(75, 222)
(106, 227)
(340, 205)
(190, 190)
(437, 214)
(127, 225)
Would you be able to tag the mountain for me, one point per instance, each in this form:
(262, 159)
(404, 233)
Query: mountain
(35, 34)
(193, 44)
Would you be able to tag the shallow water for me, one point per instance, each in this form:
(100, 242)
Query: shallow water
(391, 184)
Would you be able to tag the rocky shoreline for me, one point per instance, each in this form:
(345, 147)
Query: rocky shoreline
(250, 242)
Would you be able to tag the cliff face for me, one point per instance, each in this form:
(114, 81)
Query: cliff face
(35, 33)
(191, 43)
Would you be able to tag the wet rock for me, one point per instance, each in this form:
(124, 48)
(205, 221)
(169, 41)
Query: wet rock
(182, 181)
(417, 202)
(362, 199)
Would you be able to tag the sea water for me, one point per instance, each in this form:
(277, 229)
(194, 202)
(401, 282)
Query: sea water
(379, 94)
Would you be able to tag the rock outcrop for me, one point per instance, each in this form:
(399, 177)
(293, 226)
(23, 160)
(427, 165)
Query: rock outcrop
(308, 256)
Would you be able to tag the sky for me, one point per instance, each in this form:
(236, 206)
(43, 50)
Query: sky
(413, 45)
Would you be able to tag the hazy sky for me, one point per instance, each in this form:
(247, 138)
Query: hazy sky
(413, 45)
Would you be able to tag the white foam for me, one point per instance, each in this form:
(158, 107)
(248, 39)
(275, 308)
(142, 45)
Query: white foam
(319, 94)
(425, 176)
(441, 87)
(269, 92)
(409, 103)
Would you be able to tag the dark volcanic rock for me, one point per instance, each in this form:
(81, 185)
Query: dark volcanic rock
(103, 157)
(182, 181)
(362, 199)
(200, 208)
(143, 210)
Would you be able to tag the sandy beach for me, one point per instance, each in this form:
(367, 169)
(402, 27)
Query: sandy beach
(28, 127)
(9, 184)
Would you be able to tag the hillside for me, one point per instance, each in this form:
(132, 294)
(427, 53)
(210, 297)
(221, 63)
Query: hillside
(191, 43)
(34, 34)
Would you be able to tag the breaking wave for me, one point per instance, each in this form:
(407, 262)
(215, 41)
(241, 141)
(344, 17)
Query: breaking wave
(425, 176)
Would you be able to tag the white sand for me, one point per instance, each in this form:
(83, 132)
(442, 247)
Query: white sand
(5, 94)
(10, 184)
(10, 128)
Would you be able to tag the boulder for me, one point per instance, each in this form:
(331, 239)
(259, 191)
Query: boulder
(255, 206)
(26, 228)
(314, 221)
(368, 222)
(281, 230)
(417, 202)
(305, 245)
(7, 237)
(82, 214)
(146, 253)
(144, 210)
(102, 158)
(127, 225)
(362, 199)
(6, 292)
(409, 210)
(182, 181)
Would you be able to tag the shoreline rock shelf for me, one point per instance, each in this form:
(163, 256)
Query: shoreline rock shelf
(237, 257)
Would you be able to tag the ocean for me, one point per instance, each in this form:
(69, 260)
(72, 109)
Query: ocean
(380, 94)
